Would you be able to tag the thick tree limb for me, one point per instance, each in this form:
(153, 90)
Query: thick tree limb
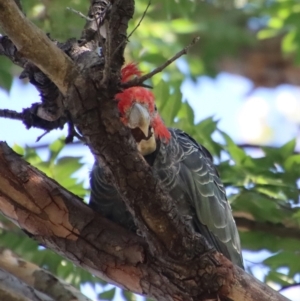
(13, 289)
(38, 279)
(25, 36)
(245, 224)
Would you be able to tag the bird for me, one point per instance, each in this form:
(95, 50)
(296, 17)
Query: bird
(184, 167)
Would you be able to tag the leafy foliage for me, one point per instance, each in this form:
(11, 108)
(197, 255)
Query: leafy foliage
(107, 295)
(59, 168)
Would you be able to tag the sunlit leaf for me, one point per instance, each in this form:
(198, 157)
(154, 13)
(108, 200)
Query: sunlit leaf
(55, 148)
(5, 74)
(107, 295)
(237, 154)
(128, 296)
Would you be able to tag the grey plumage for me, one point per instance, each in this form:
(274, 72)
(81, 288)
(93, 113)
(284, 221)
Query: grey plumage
(185, 168)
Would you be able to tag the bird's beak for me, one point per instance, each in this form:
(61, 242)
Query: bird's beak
(139, 117)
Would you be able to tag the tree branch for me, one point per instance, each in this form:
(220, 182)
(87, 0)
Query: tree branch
(11, 114)
(32, 117)
(35, 46)
(37, 278)
(12, 289)
(271, 228)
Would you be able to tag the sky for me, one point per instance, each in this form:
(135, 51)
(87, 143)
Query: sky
(248, 115)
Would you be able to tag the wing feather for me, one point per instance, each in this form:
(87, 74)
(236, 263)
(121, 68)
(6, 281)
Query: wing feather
(188, 172)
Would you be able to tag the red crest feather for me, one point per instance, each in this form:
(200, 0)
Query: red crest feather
(129, 71)
(160, 130)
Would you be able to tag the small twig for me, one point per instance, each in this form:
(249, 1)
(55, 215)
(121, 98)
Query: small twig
(127, 39)
(142, 18)
(31, 119)
(139, 80)
(79, 13)
(41, 136)
(146, 86)
(11, 114)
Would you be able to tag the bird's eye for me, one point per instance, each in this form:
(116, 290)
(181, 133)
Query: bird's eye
(155, 108)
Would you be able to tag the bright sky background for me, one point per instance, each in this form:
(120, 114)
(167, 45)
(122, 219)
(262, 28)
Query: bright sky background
(249, 116)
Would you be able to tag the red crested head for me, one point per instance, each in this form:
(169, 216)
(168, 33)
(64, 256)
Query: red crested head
(145, 98)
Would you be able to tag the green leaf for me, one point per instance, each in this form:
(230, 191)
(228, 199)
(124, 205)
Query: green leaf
(256, 241)
(128, 296)
(162, 94)
(261, 207)
(65, 167)
(288, 148)
(65, 269)
(18, 149)
(56, 147)
(238, 155)
(290, 260)
(31, 156)
(292, 162)
(6, 78)
(107, 295)
(43, 166)
(279, 278)
(207, 126)
(279, 155)
(203, 132)
(171, 108)
(186, 113)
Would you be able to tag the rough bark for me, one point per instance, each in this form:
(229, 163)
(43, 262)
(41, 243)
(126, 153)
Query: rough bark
(13, 289)
(171, 262)
(63, 223)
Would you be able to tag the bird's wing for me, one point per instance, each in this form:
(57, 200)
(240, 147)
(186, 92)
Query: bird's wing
(193, 171)
(106, 199)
